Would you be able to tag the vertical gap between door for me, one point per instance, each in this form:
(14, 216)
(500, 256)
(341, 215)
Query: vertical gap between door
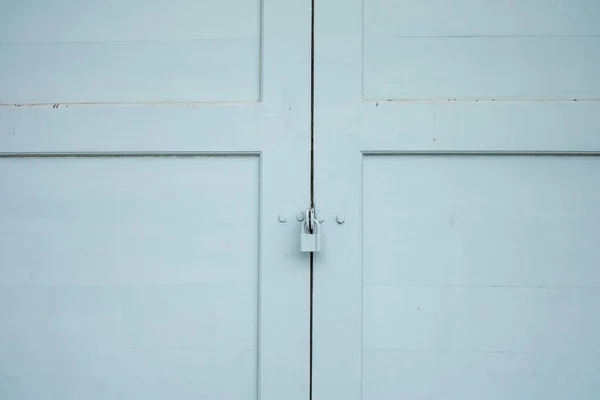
(312, 106)
(312, 186)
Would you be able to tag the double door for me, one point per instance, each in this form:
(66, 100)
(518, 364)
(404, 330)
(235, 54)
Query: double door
(156, 160)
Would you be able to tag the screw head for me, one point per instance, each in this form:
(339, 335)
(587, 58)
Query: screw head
(282, 218)
(319, 217)
(340, 219)
(300, 216)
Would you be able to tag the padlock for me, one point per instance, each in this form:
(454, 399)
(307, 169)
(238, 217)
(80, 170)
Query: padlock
(310, 242)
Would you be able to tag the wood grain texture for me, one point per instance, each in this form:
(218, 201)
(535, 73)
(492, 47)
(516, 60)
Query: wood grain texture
(115, 72)
(133, 128)
(481, 18)
(512, 50)
(72, 52)
(482, 68)
(462, 319)
(482, 221)
(107, 255)
(494, 376)
(67, 21)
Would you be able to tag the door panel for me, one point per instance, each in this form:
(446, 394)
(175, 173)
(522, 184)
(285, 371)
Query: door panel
(141, 154)
(117, 284)
(132, 72)
(494, 269)
(481, 67)
(535, 50)
(511, 17)
(112, 52)
(37, 21)
(514, 212)
(463, 154)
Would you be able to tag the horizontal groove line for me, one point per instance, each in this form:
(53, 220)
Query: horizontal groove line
(133, 154)
(486, 36)
(58, 104)
(134, 41)
(482, 286)
(555, 353)
(118, 286)
(493, 153)
(194, 349)
(210, 350)
(484, 100)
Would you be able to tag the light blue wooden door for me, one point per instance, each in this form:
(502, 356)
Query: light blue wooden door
(146, 152)
(460, 142)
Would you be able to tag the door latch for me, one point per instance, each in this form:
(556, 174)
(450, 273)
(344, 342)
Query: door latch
(310, 233)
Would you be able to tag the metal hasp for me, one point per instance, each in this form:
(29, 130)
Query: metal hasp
(310, 233)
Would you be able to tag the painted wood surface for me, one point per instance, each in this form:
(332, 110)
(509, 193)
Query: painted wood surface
(206, 70)
(113, 261)
(466, 265)
(479, 49)
(481, 18)
(481, 67)
(141, 154)
(70, 51)
(492, 269)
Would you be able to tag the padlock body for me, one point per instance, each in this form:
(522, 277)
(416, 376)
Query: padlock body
(317, 242)
(309, 242)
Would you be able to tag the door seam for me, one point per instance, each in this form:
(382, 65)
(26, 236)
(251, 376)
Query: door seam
(312, 188)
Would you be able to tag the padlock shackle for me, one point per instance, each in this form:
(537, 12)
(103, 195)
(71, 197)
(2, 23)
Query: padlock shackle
(316, 226)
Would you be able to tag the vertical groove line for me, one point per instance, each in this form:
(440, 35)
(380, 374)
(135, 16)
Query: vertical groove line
(310, 373)
(362, 50)
(312, 105)
(261, 28)
(312, 187)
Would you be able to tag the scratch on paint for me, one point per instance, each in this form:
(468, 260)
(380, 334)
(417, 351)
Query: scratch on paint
(140, 103)
(478, 100)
